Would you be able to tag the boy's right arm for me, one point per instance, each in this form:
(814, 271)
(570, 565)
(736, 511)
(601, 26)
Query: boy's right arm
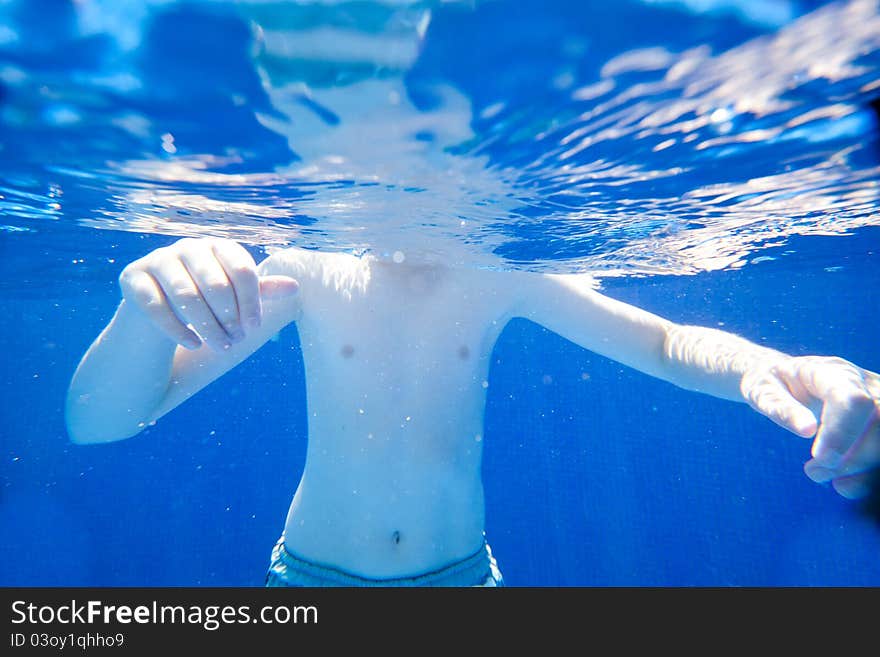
(149, 359)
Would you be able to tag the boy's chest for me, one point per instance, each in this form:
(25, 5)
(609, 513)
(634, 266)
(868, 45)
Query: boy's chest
(408, 323)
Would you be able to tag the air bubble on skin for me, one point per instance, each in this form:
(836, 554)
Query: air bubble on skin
(398, 257)
(485, 384)
(478, 438)
(361, 411)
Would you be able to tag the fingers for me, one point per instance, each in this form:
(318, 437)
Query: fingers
(147, 294)
(846, 451)
(847, 412)
(851, 486)
(273, 287)
(202, 289)
(846, 448)
(771, 397)
(843, 423)
(240, 270)
(854, 487)
(190, 300)
(216, 291)
(862, 457)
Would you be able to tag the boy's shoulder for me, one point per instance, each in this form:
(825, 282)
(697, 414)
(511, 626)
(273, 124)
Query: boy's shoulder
(318, 271)
(298, 262)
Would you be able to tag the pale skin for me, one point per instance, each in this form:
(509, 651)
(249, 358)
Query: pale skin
(396, 357)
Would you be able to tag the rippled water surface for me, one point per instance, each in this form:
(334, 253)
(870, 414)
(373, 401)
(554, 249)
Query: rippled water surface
(651, 137)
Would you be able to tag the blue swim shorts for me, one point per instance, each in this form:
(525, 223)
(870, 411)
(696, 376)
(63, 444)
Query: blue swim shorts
(286, 569)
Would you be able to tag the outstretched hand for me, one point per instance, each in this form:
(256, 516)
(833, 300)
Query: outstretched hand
(832, 401)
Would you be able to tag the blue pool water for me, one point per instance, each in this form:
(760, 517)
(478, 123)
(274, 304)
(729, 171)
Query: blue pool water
(713, 161)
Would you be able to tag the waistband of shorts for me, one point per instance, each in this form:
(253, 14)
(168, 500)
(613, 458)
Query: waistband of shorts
(297, 571)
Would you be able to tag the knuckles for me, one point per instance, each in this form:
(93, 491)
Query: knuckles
(244, 272)
(186, 294)
(852, 398)
(144, 295)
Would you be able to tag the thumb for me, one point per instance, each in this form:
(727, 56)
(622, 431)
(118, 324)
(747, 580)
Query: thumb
(276, 287)
(773, 399)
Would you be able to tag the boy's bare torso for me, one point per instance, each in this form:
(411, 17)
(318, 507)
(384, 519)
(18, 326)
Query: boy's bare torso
(397, 363)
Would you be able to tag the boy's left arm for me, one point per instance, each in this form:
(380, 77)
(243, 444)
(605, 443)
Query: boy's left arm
(828, 399)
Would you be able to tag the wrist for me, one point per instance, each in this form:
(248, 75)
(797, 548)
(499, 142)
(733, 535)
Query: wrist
(130, 323)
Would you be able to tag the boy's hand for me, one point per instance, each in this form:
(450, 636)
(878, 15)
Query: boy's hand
(846, 445)
(201, 289)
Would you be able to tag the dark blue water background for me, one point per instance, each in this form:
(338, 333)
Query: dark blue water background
(595, 474)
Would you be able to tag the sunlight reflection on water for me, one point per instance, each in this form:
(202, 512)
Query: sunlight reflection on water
(671, 162)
